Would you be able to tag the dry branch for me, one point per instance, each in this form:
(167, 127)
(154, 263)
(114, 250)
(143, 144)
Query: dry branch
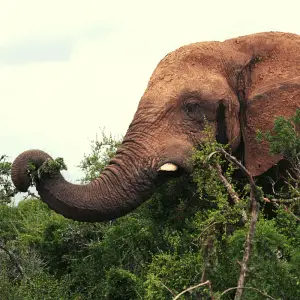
(254, 198)
(230, 190)
(173, 294)
(248, 288)
(30, 194)
(207, 282)
(232, 159)
(291, 200)
(248, 246)
(276, 203)
(12, 258)
(232, 193)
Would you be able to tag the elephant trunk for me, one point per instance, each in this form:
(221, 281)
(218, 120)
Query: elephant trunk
(122, 186)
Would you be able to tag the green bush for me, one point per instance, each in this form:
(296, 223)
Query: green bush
(188, 231)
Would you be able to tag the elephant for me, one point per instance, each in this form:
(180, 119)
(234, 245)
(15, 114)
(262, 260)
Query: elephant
(237, 86)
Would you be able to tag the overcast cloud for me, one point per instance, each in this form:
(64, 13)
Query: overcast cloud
(68, 68)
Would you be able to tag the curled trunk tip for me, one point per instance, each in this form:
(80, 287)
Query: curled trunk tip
(19, 170)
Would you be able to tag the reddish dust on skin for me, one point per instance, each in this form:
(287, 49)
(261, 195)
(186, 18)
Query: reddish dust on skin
(273, 89)
(261, 70)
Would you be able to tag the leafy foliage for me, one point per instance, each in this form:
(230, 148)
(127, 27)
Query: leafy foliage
(103, 150)
(7, 190)
(189, 231)
(285, 136)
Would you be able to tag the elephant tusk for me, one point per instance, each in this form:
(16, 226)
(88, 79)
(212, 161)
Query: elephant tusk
(168, 167)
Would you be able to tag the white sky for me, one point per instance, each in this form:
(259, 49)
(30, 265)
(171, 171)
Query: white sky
(70, 67)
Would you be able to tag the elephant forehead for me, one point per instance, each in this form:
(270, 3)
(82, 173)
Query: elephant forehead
(206, 84)
(201, 55)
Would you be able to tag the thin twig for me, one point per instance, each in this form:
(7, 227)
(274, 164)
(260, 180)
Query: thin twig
(30, 194)
(232, 193)
(206, 228)
(292, 214)
(206, 252)
(230, 190)
(12, 258)
(232, 159)
(285, 207)
(291, 176)
(207, 282)
(248, 288)
(172, 292)
(203, 276)
(291, 200)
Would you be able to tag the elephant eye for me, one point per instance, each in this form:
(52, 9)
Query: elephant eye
(194, 111)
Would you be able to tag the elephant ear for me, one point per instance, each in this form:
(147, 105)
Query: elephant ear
(270, 88)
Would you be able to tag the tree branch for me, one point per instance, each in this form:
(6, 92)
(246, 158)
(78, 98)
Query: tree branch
(275, 202)
(230, 190)
(173, 294)
(248, 288)
(207, 282)
(206, 228)
(292, 214)
(233, 160)
(291, 200)
(248, 246)
(12, 258)
(232, 193)
(30, 194)
(254, 198)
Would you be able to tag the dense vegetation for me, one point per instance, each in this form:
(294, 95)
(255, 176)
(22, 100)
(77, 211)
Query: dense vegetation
(190, 231)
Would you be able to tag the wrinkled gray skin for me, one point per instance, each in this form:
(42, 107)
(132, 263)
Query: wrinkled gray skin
(239, 85)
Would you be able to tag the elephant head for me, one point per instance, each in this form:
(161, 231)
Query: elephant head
(238, 86)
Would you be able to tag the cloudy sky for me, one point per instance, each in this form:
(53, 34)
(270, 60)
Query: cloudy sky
(70, 67)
